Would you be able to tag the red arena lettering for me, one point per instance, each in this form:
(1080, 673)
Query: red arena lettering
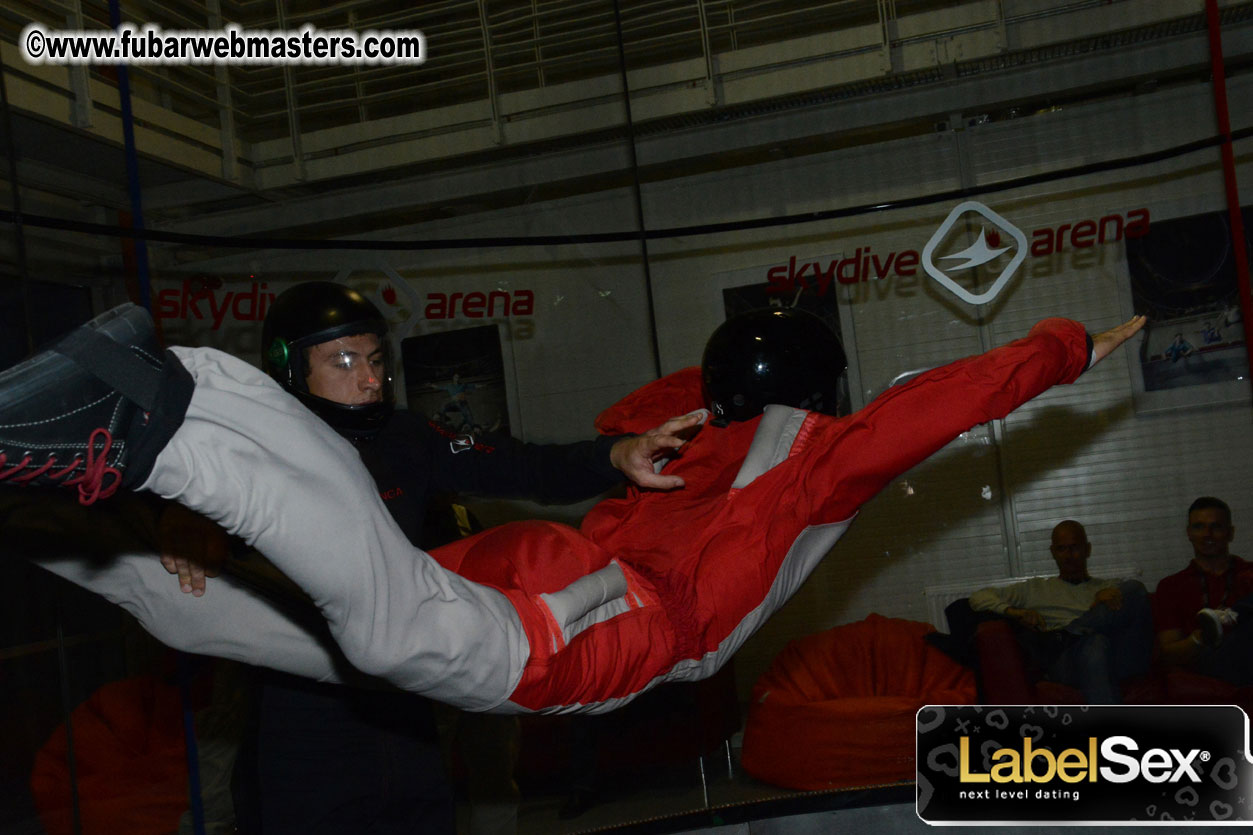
(493, 297)
(473, 305)
(1111, 227)
(476, 305)
(1137, 223)
(1086, 233)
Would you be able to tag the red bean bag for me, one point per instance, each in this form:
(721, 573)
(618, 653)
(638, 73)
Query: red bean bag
(837, 709)
(130, 758)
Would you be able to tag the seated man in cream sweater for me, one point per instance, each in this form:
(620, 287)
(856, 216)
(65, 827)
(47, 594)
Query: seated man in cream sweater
(1081, 631)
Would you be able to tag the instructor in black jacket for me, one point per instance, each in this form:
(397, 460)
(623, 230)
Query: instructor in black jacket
(330, 758)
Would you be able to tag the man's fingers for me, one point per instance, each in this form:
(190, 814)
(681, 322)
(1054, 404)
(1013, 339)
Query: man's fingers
(184, 574)
(660, 482)
(197, 579)
(644, 475)
(677, 431)
(683, 427)
(1103, 344)
(192, 571)
(659, 442)
(690, 419)
(634, 456)
(192, 547)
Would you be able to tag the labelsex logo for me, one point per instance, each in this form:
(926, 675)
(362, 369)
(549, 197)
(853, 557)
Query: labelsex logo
(993, 229)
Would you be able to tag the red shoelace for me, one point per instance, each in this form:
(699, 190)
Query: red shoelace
(90, 483)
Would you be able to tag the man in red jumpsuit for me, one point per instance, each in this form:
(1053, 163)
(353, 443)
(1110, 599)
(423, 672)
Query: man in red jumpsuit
(532, 616)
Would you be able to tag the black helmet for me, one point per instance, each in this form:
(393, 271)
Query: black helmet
(773, 355)
(312, 313)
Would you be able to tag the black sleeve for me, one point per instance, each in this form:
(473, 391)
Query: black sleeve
(505, 467)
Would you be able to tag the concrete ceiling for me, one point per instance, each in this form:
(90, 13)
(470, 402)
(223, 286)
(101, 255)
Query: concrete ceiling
(333, 151)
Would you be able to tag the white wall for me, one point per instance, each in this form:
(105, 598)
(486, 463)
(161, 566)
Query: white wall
(982, 509)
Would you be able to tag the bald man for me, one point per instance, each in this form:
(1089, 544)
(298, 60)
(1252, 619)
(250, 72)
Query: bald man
(1081, 631)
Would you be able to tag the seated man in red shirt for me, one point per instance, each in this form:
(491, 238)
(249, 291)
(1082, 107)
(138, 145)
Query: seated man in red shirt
(654, 588)
(1198, 611)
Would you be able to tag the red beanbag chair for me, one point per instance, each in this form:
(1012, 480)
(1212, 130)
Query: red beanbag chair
(837, 709)
(131, 763)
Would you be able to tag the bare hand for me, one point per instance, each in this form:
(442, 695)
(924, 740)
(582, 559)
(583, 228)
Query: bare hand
(635, 456)
(1104, 343)
(190, 546)
(1111, 597)
(1029, 618)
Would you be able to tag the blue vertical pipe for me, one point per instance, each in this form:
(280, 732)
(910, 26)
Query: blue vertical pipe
(132, 167)
(185, 675)
(145, 299)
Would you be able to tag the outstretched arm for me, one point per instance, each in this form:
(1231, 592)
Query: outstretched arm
(905, 425)
(1104, 343)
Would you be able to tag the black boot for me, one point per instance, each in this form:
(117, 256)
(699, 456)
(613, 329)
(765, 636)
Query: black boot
(94, 411)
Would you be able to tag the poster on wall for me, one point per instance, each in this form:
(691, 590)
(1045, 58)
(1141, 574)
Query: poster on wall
(1182, 275)
(748, 297)
(457, 380)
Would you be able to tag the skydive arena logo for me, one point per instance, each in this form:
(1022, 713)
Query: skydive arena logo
(1150, 764)
(1000, 247)
(956, 256)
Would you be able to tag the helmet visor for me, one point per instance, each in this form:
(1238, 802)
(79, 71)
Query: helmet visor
(353, 370)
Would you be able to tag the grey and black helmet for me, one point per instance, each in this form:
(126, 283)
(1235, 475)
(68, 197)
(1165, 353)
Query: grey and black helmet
(312, 313)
